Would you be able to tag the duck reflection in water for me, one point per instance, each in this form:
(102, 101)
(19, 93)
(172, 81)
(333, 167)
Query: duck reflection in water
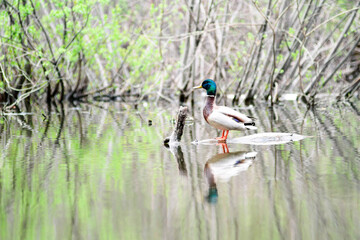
(223, 166)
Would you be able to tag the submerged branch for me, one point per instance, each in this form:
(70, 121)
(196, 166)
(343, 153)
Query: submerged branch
(179, 127)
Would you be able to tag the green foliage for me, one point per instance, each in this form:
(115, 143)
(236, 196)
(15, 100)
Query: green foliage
(250, 36)
(291, 32)
(295, 54)
(149, 40)
(77, 30)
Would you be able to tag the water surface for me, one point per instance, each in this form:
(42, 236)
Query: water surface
(102, 172)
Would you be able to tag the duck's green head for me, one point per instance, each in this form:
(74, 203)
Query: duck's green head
(209, 85)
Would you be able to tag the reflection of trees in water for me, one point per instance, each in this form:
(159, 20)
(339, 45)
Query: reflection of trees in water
(303, 160)
(294, 177)
(38, 144)
(293, 174)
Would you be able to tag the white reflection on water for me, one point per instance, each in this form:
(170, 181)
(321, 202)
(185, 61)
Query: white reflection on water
(223, 166)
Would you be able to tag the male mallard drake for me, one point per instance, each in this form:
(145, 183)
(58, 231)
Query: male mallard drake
(222, 117)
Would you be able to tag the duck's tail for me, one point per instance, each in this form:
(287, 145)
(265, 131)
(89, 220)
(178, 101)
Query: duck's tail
(250, 126)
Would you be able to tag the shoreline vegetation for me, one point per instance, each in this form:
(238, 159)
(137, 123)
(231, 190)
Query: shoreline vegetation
(54, 51)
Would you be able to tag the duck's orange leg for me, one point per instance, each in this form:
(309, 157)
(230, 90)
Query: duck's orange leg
(223, 136)
(227, 133)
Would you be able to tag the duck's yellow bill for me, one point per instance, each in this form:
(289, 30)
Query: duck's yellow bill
(198, 87)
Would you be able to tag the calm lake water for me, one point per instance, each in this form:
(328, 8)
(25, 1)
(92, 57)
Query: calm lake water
(102, 172)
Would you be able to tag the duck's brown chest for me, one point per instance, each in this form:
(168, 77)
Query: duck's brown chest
(209, 106)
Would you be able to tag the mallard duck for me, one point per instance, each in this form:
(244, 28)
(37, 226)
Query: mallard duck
(222, 117)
